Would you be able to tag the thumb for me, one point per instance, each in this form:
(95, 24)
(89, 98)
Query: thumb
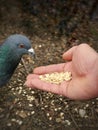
(68, 55)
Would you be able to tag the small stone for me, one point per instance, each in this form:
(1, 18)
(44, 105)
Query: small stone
(29, 88)
(65, 103)
(58, 120)
(68, 122)
(22, 114)
(50, 118)
(29, 113)
(93, 102)
(55, 109)
(59, 108)
(9, 124)
(87, 105)
(61, 114)
(30, 105)
(20, 122)
(32, 112)
(96, 98)
(76, 109)
(42, 108)
(24, 92)
(40, 46)
(32, 91)
(13, 119)
(82, 112)
(48, 114)
(67, 106)
(12, 89)
(46, 106)
(20, 91)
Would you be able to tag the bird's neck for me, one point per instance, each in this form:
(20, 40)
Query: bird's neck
(8, 61)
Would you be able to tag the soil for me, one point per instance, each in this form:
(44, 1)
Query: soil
(53, 27)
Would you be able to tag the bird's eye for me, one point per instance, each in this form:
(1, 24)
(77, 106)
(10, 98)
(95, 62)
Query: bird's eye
(21, 45)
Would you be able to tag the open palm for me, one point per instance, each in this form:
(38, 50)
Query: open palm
(82, 62)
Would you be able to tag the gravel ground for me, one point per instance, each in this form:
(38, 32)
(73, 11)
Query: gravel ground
(26, 109)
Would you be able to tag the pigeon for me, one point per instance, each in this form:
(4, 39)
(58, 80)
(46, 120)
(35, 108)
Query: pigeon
(11, 52)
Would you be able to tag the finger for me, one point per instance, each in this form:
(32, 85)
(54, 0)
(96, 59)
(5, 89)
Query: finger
(31, 76)
(29, 79)
(36, 83)
(49, 68)
(68, 55)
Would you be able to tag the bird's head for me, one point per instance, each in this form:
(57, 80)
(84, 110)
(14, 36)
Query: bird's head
(11, 51)
(19, 45)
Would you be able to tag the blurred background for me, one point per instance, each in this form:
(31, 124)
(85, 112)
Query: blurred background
(53, 26)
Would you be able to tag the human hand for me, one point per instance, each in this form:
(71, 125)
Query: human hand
(82, 63)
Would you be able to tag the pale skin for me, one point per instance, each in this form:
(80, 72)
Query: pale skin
(82, 62)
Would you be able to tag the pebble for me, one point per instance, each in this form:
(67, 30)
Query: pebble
(67, 106)
(29, 113)
(61, 114)
(32, 91)
(87, 105)
(59, 108)
(96, 98)
(19, 122)
(12, 89)
(40, 46)
(14, 81)
(58, 120)
(10, 86)
(29, 88)
(24, 92)
(32, 112)
(52, 102)
(22, 114)
(65, 103)
(60, 99)
(68, 122)
(30, 105)
(13, 119)
(93, 102)
(19, 92)
(47, 97)
(30, 98)
(42, 108)
(20, 88)
(55, 109)
(50, 118)
(76, 109)
(82, 112)
(46, 106)
(9, 124)
(48, 114)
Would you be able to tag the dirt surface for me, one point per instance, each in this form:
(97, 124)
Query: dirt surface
(45, 24)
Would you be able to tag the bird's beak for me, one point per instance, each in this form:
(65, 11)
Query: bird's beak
(31, 52)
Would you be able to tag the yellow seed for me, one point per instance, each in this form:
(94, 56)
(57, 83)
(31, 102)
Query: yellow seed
(56, 77)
